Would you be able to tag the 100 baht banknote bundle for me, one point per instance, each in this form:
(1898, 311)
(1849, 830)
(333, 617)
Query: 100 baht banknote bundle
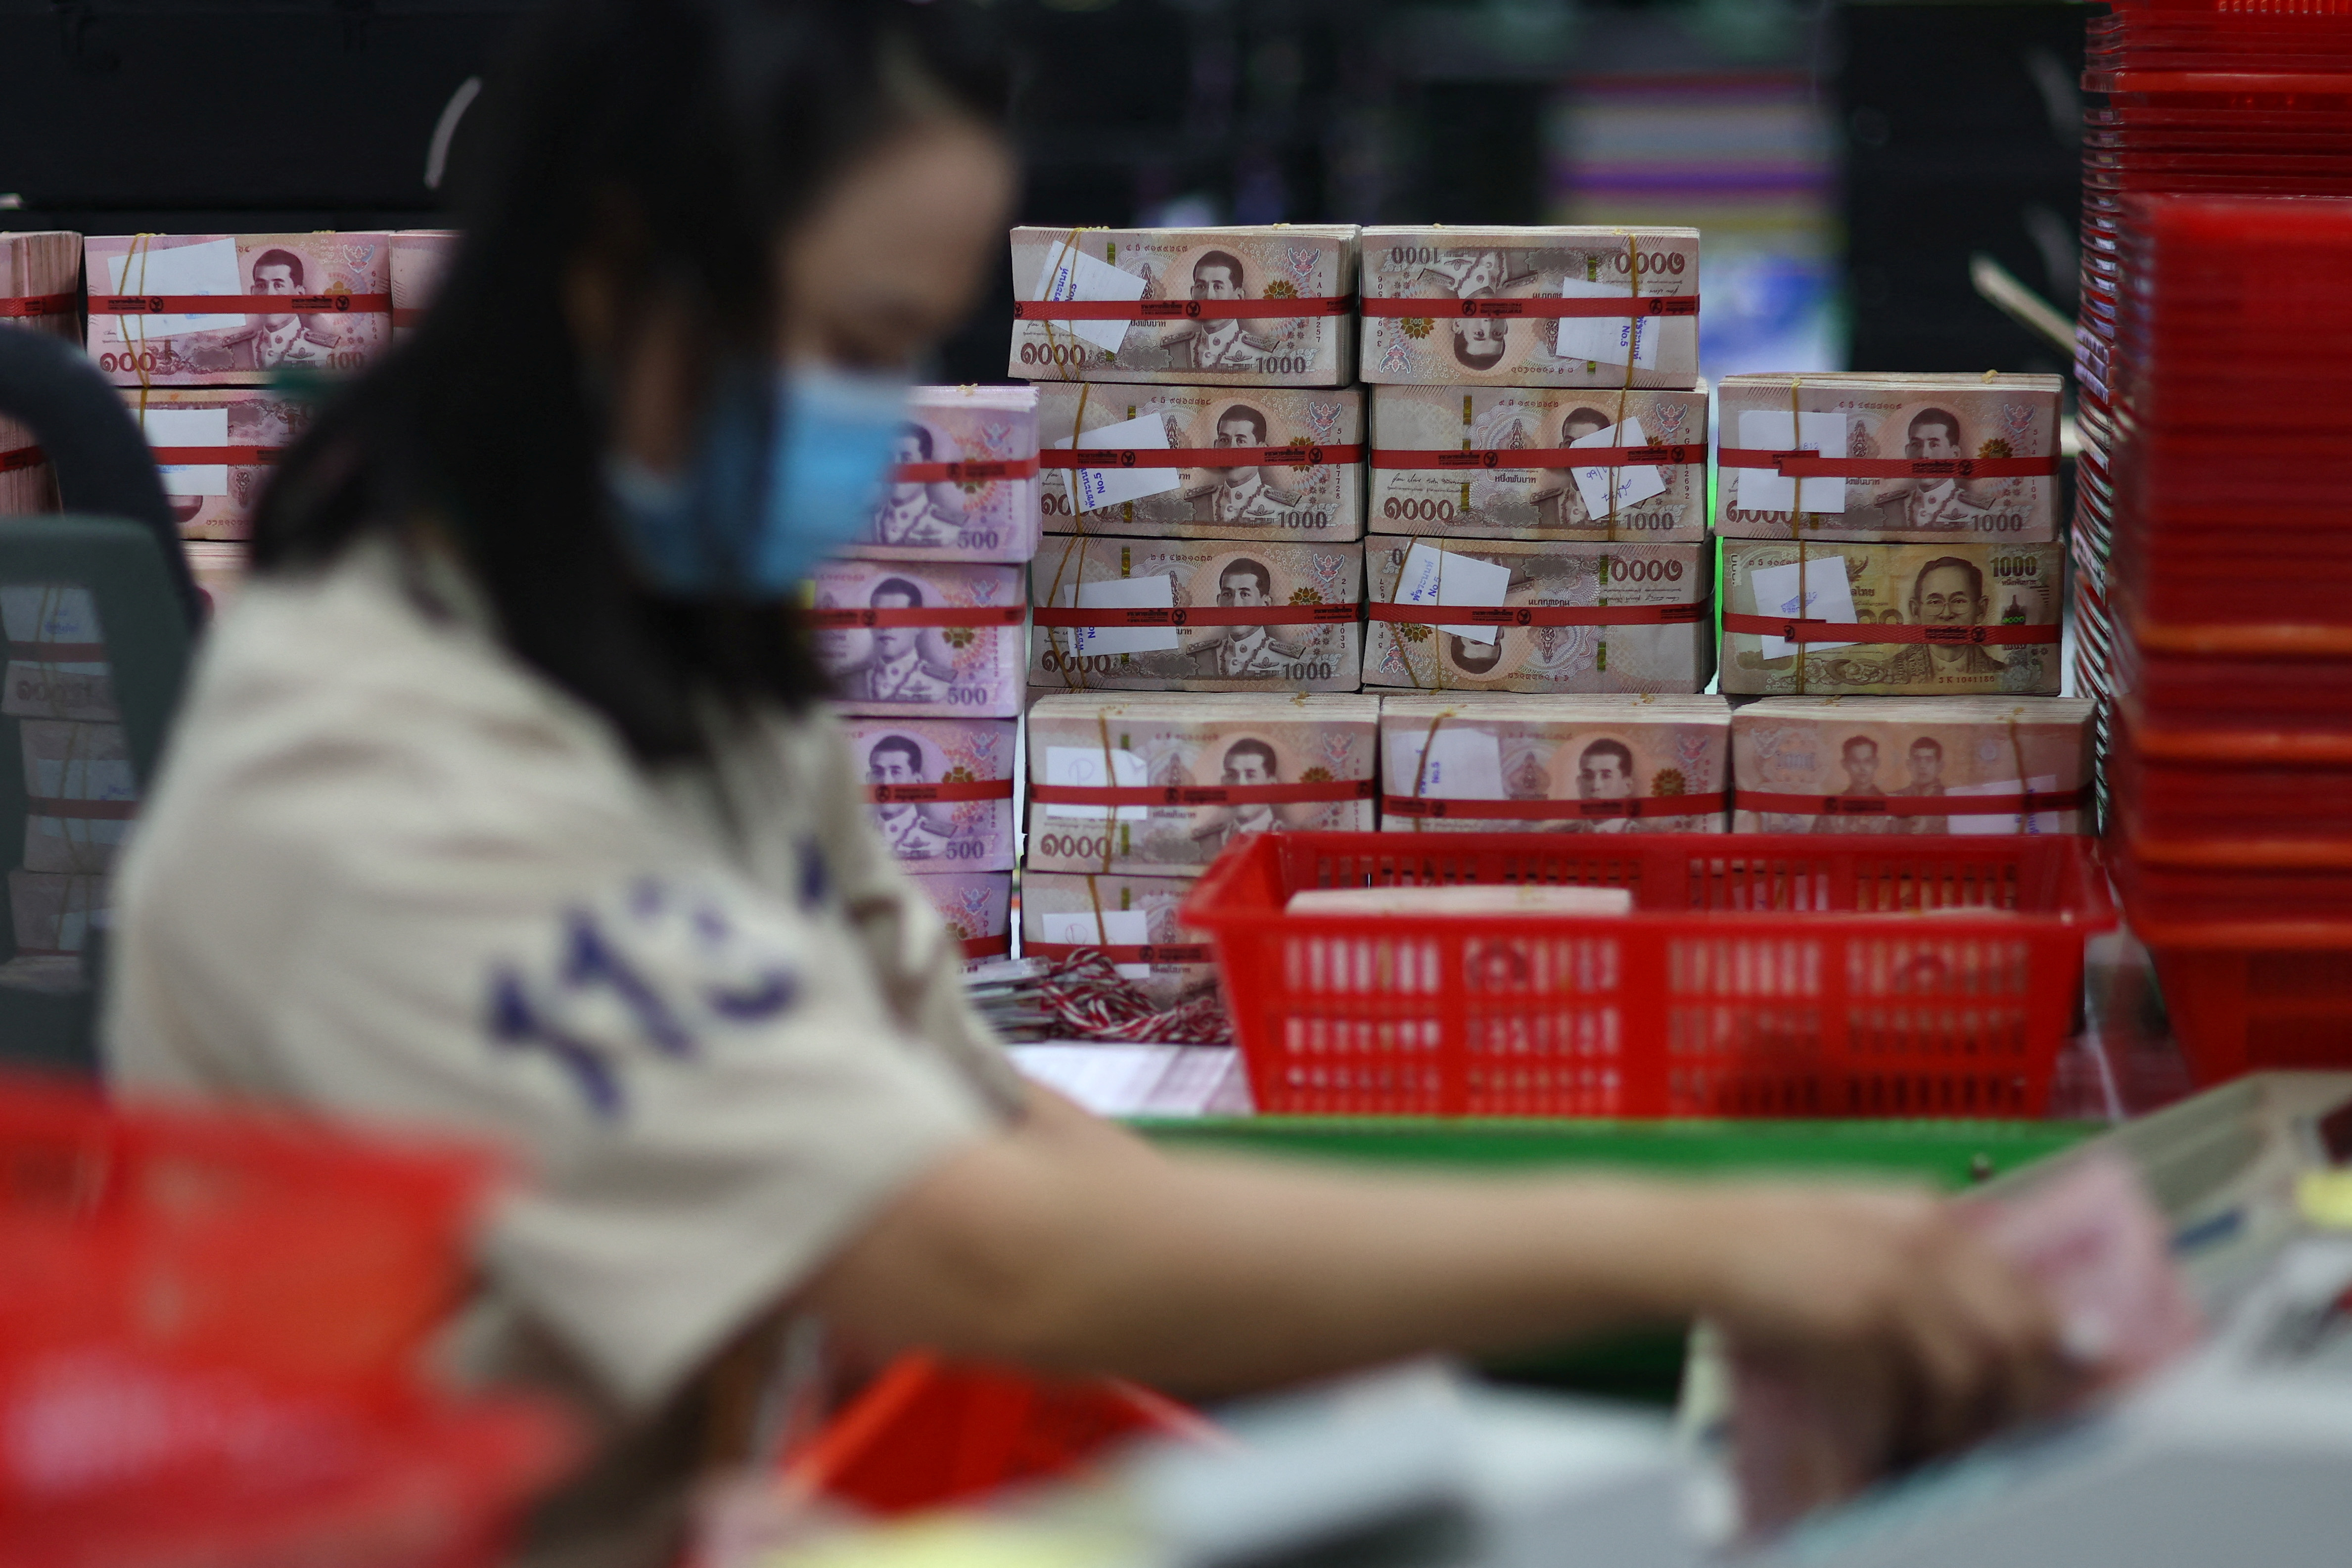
(1896, 765)
(1488, 762)
(419, 258)
(1159, 785)
(1889, 458)
(216, 448)
(40, 281)
(236, 310)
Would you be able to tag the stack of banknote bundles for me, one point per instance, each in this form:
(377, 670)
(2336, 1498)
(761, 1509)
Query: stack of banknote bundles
(79, 788)
(1539, 457)
(209, 335)
(919, 625)
(1893, 536)
(40, 289)
(1130, 797)
(1202, 503)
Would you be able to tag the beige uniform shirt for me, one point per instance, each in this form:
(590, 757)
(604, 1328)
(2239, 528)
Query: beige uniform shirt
(390, 872)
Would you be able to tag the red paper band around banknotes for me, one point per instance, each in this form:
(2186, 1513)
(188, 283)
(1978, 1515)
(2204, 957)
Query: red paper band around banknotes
(1218, 615)
(1292, 456)
(1539, 457)
(87, 810)
(1814, 465)
(1181, 309)
(1541, 615)
(1841, 631)
(38, 304)
(1915, 805)
(963, 470)
(926, 794)
(833, 620)
(58, 652)
(21, 457)
(997, 946)
(238, 305)
(1551, 810)
(1430, 309)
(1158, 953)
(1202, 795)
(234, 456)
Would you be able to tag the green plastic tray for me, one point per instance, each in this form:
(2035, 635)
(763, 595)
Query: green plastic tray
(1645, 1367)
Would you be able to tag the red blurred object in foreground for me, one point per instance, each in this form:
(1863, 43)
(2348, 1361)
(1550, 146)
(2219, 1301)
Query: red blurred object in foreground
(210, 1346)
(927, 1432)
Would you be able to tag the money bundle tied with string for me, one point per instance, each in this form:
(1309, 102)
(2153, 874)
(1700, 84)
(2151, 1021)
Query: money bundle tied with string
(1883, 458)
(236, 310)
(1488, 762)
(1586, 307)
(1523, 615)
(1159, 785)
(1898, 765)
(216, 448)
(1539, 462)
(1195, 615)
(1132, 921)
(1264, 305)
(1958, 619)
(1202, 462)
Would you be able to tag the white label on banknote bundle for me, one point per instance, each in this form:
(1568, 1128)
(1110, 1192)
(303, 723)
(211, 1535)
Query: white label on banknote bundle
(1605, 340)
(1157, 592)
(1119, 928)
(2008, 822)
(1804, 591)
(49, 612)
(189, 428)
(1637, 482)
(1082, 768)
(1770, 430)
(1109, 486)
(1435, 575)
(1072, 276)
(209, 267)
(1455, 764)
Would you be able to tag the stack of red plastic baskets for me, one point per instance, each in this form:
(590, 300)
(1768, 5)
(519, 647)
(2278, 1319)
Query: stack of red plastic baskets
(211, 1335)
(2213, 96)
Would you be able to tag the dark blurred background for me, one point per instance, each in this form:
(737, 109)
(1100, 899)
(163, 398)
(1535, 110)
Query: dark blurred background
(1845, 160)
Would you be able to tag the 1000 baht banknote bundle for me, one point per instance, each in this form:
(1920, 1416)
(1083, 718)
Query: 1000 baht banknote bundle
(1486, 763)
(1896, 765)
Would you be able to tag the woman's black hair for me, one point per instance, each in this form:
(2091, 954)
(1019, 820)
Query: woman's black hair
(697, 131)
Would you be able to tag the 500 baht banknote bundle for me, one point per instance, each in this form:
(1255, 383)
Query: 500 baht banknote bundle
(919, 639)
(1889, 458)
(964, 484)
(939, 790)
(1895, 765)
(1264, 306)
(1487, 763)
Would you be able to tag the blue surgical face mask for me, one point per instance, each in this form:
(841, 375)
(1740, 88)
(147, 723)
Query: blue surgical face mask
(783, 473)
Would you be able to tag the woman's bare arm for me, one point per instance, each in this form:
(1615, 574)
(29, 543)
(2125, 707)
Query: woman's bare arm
(1065, 1243)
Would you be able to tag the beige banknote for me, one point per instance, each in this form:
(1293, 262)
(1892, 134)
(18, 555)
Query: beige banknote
(1161, 784)
(977, 906)
(1894, 620)
(939, 638)
(1539, 463)
(236, 310)
(40, 281)
(940, 791)
(963, 481)
(1884, 457)
(419, 258)
(217, 447)
(1898, 765)
(27, 483)
(1486, 307)
(1206, 614)
(1266, 306)
(1498, 614)
(1202, 462)
(1133, 916)
(1508, 763)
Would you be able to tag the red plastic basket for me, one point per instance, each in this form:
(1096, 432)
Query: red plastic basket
(2248, 997)
(1759, 975)
(927, 1432)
